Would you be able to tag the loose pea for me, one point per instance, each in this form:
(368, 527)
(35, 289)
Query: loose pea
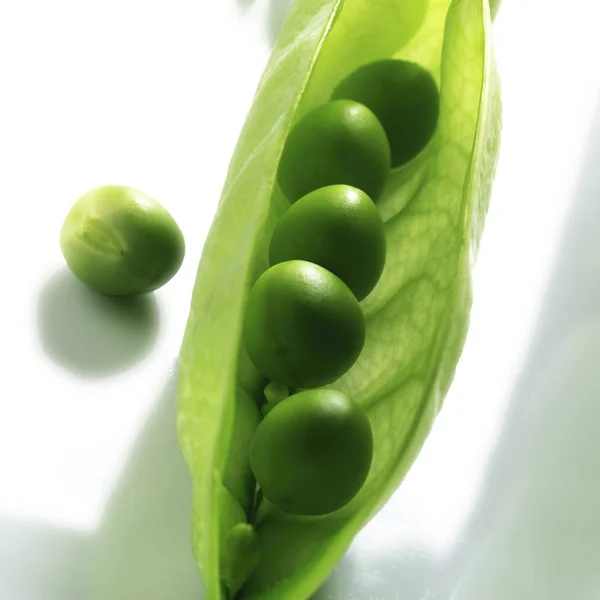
(121, 242)
(311, 454)
(405, 98)
(338, 142)
(339, 228)
(304, 327)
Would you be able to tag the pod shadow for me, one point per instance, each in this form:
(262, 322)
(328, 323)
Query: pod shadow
(92, 335)
(141, 548)
(536, 531)
(39, 561)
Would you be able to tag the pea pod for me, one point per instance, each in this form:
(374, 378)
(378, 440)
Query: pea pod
(416, 317)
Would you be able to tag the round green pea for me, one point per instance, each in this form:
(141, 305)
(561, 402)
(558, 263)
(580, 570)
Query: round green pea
(405, 98)
(121, 242)
(304, 328)
(338, 142)
(339, 228)
(312, 453)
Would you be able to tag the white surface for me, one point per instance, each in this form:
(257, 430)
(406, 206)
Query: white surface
(94, 498)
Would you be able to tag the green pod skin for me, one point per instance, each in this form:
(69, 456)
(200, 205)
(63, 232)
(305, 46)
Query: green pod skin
(312, 453)
(337, 227)
(338, 142)
(405, 98)
(303, 328)
(121, 242)
(417, 317)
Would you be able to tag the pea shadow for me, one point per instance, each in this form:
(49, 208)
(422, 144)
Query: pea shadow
(142, 545)
(92, 335)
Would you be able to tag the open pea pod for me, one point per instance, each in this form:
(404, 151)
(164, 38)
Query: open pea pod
(416, 317)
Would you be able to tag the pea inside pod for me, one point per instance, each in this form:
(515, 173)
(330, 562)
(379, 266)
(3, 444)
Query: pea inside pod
(303, 327)
(339, 228)
(311, 454)
(404, 97)
(338, 142)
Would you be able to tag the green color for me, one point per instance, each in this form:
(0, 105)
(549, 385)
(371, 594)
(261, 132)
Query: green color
(417, 316)
(275, 393)
(304, 327)
(311, 454)
(337, 227)
(338, 142)
(240, 556)
(405, 98)
(121, 242)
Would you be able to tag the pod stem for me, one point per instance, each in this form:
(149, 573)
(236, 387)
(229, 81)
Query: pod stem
(274, 394)
(258, 497)
(264, 509)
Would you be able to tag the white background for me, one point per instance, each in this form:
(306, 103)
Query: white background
(502, 504)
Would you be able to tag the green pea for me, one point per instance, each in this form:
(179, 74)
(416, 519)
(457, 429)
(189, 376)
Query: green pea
(338, 142)
(121, 242)
(405, 98)
(312, 453)
(339, 228)
(304, 327)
